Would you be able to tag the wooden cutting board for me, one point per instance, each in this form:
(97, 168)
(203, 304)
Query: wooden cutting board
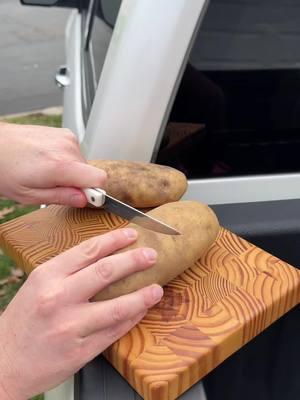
(229, 296)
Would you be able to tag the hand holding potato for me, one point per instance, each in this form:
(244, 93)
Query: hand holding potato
(199, 228)
(51, 329)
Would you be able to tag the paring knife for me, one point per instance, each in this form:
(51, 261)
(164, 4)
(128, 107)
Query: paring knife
(99, 198)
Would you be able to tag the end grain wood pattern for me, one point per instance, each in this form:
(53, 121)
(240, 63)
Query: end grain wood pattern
(225, 299)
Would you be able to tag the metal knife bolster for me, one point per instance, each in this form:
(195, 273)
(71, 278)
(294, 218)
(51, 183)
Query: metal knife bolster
(99, 198)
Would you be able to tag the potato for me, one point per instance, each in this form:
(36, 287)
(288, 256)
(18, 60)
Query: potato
(198, 226)
(142, 185)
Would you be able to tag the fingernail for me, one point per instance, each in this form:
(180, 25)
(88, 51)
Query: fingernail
(150, 254)
(157, 293)
(130, 233)
(77, 200)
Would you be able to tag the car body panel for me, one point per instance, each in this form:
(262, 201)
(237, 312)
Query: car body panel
(244, 189)
(72, 101)
(100, 381)
(144, 68)
(65, 391)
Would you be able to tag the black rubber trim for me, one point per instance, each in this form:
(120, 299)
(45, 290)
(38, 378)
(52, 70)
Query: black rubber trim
(52, 3)
(272, 225)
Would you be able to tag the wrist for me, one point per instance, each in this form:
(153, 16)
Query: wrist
(7, 381)
(4, 388)
(6, 154)
(3, 393)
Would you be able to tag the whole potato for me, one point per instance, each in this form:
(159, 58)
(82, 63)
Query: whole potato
(140, 184)
(199, 228)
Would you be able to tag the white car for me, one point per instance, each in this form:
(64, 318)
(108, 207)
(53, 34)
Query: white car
(213, 89)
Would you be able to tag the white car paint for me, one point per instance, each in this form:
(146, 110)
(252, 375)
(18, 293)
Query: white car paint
(244, 189)
(143, 66)
(65, 391)
(72, 115)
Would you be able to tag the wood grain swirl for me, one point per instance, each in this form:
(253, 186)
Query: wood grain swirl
(225, 299)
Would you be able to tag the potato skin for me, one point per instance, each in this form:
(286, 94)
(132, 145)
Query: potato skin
(142, 185)
(199, 228)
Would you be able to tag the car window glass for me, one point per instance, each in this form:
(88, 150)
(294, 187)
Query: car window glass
(99, 17)
(110, 9)
(237, 110)
(106, 13)
(99, 42)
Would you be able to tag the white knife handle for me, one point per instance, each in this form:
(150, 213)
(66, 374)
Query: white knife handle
(96, 197)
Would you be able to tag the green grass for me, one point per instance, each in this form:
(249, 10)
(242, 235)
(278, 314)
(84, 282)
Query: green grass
(9, 287)
(9, 283)
(6, 264)
(17, 210)
(37, 119)
(9, 292)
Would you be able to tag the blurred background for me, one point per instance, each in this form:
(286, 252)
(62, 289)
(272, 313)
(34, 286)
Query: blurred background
(31, 49)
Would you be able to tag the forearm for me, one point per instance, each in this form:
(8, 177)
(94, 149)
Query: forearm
(4, 384)
(8, 377)
(7, 145)
(3, 394)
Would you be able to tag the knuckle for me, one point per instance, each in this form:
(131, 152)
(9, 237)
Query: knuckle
(58, 197)
(26, 195)
(117, 237)
(64, 330)
(138, 257)
(147, 297)
(119, 312)
(74, 140)
(90, 249)
(70, 140)
(113, 332)
(47, 301)
(69, 134)
(103, 270)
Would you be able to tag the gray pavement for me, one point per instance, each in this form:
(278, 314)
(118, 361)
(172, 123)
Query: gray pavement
(31, 48)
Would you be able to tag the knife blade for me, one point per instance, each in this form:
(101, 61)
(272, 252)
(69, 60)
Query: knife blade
(99, 198)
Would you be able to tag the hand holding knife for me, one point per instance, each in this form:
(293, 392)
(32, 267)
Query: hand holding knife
(99, 198)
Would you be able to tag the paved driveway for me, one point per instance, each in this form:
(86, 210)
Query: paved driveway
(31, 48)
